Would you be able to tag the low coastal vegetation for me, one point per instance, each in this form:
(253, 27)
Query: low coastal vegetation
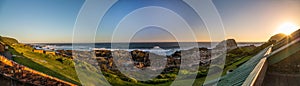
(234, 58)
(63, 67)
(56, 66)
(47, 64)
(238, 56)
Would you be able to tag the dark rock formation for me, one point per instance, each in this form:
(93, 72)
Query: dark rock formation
(277, 37)
(230, 45)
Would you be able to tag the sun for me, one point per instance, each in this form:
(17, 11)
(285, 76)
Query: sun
(287, 28)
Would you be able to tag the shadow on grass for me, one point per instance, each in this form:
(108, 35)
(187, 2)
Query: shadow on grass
(35, 66)
(38, 67)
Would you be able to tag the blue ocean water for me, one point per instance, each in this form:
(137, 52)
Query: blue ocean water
(140, 45)
(159, 48)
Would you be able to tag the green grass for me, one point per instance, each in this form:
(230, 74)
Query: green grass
(48, 65)
(236, 64)
(8, 40)
(67, 72)
(40, 63)
(116, 81)
(197, 82)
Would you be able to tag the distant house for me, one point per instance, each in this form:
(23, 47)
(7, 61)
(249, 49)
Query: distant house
(51, 52)
(38, 50)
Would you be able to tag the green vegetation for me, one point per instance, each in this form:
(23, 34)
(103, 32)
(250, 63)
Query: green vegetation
(47, 64)
(8, 40)
(234, 59)
(238, 56)
(117, 81)
(63, 68)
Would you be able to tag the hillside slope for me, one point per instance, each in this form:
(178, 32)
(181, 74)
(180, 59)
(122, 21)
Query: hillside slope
(8, 40)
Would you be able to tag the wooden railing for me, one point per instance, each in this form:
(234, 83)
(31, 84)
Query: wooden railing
(256, 76)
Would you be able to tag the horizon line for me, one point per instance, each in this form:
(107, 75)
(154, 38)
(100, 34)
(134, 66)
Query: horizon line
(127, 42)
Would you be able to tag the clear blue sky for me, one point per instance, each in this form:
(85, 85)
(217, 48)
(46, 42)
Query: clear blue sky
(39, 20)
(53, 20)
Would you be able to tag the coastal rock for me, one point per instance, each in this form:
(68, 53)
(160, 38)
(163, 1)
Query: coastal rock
(230, 44)
(277, 37)
(296, 33)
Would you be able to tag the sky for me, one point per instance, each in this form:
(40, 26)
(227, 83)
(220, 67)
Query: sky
(52, 21)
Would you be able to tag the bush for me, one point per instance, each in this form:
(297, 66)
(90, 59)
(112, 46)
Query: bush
(67, 62)
(133, 80)
(60, 60)
(184, 71)
(201, 74)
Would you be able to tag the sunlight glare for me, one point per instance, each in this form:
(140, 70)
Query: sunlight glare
(287, 28)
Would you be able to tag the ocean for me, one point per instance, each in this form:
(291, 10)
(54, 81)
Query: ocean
(140, 45)
(160, 48)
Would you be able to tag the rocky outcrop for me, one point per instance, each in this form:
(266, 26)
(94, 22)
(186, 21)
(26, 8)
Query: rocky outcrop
(229, 44)
(296, 34)
(277, 37)
(142, 59)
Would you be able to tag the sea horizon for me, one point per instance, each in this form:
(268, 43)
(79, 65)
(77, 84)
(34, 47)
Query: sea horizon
(136, 45)
(130, 42)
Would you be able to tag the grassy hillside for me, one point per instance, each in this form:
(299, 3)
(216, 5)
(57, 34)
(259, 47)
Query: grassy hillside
(8, 40)
(44, 63)
(41, 62)
(49, 64)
